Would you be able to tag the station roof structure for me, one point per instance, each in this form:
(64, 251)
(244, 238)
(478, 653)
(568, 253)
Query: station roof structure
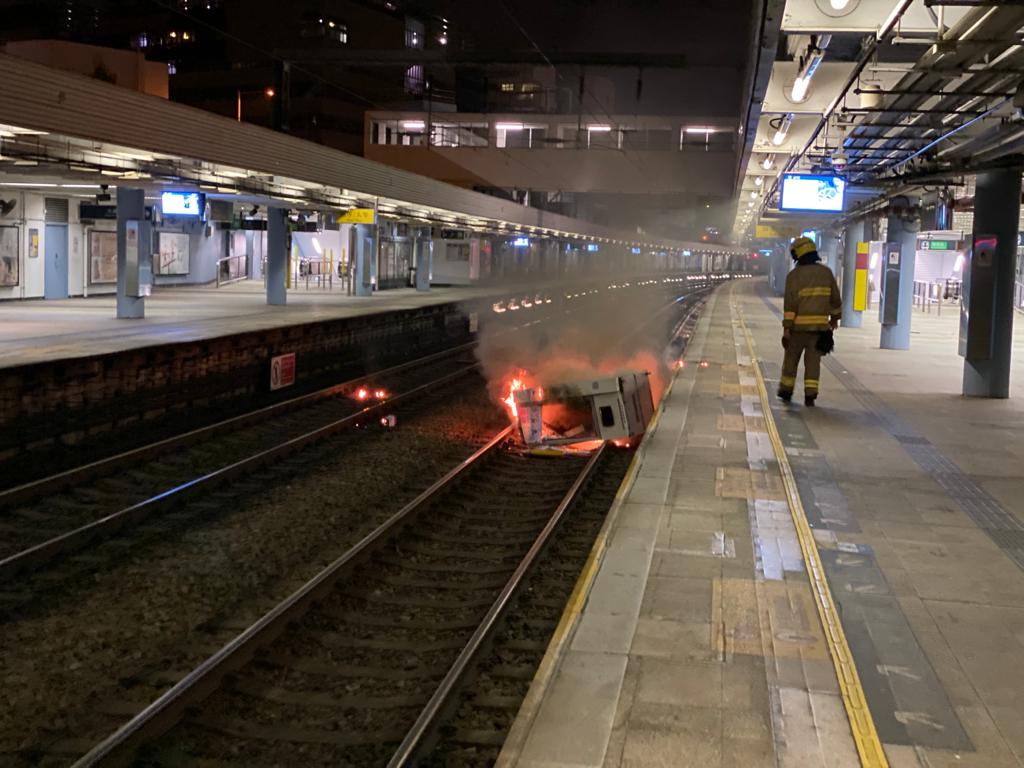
(53, 133)
(890, 94)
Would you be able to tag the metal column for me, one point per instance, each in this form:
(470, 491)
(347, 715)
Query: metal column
(277, 256)
(424, 256)
(996, 213)
(902, 234)
(365, 254)
(829, 249)
(134, 252)
(854, 234)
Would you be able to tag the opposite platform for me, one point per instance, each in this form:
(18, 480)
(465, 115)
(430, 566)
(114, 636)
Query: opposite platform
(38, 331)
(698, 640)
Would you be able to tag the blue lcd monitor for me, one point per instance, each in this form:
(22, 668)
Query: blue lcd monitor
(181, 203)
(822, 194)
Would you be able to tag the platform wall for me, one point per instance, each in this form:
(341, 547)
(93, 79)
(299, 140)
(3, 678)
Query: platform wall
(49, 410)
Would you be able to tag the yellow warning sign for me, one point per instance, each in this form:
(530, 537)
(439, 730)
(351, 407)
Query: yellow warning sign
(357, 216)
(770, 232)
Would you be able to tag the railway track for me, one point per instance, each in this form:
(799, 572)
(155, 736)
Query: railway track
(369, 653)
(59, 515)
(150, 677)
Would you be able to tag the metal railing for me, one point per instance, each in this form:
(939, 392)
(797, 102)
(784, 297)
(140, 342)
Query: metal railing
(935, 293)
(231, 269)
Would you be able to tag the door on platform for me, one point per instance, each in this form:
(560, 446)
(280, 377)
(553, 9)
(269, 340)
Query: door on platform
(55, 275)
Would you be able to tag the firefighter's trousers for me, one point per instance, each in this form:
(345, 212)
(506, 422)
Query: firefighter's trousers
(801, 343)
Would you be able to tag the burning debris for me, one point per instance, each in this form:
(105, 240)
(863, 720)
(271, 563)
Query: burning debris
(615, 408)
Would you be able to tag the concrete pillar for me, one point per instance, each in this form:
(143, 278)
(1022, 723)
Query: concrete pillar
(424, 255)
(277, 256)
(365, 256)
(134, 249)
(902, 233)
(829, 249)
(996, 212)
(854, 235)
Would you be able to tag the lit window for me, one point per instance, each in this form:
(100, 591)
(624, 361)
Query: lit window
(508, 87)
(141, 40)
(172, 68)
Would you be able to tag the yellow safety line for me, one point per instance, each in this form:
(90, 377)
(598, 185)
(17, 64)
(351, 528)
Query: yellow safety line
(862, 725)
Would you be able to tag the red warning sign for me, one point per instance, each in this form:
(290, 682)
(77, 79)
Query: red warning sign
(282, 371)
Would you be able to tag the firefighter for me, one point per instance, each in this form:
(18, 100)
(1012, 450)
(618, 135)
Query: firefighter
(811, 309)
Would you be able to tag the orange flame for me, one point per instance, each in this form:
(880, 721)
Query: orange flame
(514, 386)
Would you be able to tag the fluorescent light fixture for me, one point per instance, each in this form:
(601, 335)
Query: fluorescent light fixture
(25, 184)
(800, 86)
(599, 128)
(509, 126)
(783, 130)
(700, 130)
(413, 125)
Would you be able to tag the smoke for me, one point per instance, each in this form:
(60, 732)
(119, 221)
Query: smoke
(612, 332)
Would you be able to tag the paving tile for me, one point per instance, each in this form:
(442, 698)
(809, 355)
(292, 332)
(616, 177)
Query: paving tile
(664, 736)
(666, 681)
(675, 640)
(576, 716)
(684, 599)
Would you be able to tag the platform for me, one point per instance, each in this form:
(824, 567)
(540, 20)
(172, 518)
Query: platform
(37, 330)
(696, 637)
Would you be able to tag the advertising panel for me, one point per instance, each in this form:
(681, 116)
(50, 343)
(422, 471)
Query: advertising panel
(8, 256)
(173, 258)
(102, 257)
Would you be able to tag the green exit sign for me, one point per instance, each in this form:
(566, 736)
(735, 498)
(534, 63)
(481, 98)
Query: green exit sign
(937, 245)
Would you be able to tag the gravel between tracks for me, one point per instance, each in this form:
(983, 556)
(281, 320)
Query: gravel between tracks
(153, 610)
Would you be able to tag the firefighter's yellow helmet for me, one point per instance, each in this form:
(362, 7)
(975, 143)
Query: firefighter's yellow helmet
(802, 246)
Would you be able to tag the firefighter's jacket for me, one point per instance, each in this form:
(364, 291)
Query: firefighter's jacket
(812, 297)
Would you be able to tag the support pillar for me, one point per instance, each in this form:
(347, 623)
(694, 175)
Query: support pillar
(895, 310)
(365, 256)
(829, 249)
(134, 246)
(424, 256)
(854, 234)
(277, 256)
(996, 212)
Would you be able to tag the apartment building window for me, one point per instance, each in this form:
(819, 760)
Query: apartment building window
(324, 28)
(508, 87)
(415, 83)
(514, 135)
(415, 33)
(704, 138)
(444, 134)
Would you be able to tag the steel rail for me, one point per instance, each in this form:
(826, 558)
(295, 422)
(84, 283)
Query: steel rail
(166, 710)
(70, 541)
(56, 482)
(416, 740)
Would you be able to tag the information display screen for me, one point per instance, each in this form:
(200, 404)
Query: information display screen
(801, 192)
(181, 203)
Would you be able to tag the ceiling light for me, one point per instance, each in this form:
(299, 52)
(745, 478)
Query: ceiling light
(700, 130)
(753, 195)
(509, 126)
(758, 181)
(599, 128)
(768, 162)
(413, 125)
(838, 5)
(783, 129)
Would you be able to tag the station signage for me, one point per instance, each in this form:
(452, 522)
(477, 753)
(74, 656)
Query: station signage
(358, 216)
(939, 245)
(95, 212)
(282, 371)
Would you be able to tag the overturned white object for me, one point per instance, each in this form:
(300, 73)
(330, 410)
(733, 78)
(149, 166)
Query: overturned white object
(610, 408)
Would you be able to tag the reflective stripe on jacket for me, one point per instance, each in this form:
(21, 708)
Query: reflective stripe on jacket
(812, 298)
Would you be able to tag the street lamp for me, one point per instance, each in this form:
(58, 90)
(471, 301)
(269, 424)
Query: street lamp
(268, 92)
